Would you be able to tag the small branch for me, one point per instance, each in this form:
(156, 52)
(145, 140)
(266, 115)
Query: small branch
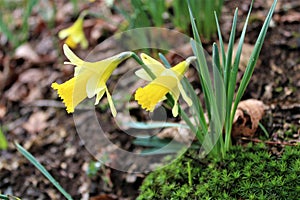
(269, 142)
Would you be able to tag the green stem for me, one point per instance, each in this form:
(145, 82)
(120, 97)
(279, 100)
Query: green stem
(145, 67)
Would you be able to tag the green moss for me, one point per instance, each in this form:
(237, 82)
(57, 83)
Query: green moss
(245, 173)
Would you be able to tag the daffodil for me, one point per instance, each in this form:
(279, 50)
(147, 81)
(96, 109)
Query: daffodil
(89, 80)
(166, 81)
(75, 34)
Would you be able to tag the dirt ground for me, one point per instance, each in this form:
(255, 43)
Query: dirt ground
(32, 114)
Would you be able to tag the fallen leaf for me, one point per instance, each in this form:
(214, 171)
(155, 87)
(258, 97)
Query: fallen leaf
(248, 114)
(2, 111)
(17, 92)
(182, 135)
(31, 76)
(37, 122)
(26, 52)
(291, 17)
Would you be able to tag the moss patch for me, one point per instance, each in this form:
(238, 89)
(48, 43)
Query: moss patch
(245, 173)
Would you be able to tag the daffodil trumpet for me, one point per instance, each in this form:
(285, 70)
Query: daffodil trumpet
(165, 81)
(89, 80)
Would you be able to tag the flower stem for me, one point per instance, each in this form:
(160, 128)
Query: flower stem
(145, 67)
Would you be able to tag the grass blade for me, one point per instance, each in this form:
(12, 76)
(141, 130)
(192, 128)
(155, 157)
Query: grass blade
(3, 141)
(4, 29)
(209, 140)
(197, 107)
(253, 58)
(219, 90)
(221, 43)
(42, 169)
(232, 80)
(227, 67)
(28, 10)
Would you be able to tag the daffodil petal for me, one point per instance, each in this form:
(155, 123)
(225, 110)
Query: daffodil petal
(141, 73)
(84, 43)
(175, 93)
(168, 82)
(91, 86)
(99, 95)
(184, 95)
(77, 70)
(180, 68)
(175, 109)
(156, 67)
(64, 33)
(111, 103)
(75, 60)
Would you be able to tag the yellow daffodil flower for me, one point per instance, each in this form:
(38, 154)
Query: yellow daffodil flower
(75, 34)
(89, 80)
(166, 81)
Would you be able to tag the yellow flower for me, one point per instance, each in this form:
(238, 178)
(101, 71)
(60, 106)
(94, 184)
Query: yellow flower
(75, 34)
(166, 81)
(89, 80)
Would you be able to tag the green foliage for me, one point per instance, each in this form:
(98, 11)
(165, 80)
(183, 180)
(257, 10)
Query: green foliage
(244, 173)
(219, 91)
(3, 141)
(42, 169)
(155, 13)
(9, 197)
(15, 37)
(93, 168)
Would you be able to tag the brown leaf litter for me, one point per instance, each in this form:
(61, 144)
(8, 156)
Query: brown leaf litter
(248, 114)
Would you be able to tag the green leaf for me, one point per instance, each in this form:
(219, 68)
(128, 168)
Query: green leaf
(160, 146)
(42, 169)
(221, 42)
(3, 141)
(9, 197)
(263, 129)
(227, 67)
(164, 60)
(4, 29)
(152, 125)
(28, 10)
(253, 58)
(209, 140)
(232, 80)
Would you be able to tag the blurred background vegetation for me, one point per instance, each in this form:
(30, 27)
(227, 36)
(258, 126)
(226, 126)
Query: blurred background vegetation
(17, 26)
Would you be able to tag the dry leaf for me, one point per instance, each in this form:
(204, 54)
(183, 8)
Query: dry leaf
(2, 111)
(292, 16)
(17, 92)
(32, 76)
(178, 134)
(37, 122)
(247, 117)
(26, 52)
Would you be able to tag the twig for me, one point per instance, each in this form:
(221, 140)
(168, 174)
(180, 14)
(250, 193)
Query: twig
(269, 142)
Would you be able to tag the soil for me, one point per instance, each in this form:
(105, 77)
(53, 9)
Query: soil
(32, 114)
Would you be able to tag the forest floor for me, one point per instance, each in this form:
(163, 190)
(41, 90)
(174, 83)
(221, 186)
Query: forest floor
(32, 114)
